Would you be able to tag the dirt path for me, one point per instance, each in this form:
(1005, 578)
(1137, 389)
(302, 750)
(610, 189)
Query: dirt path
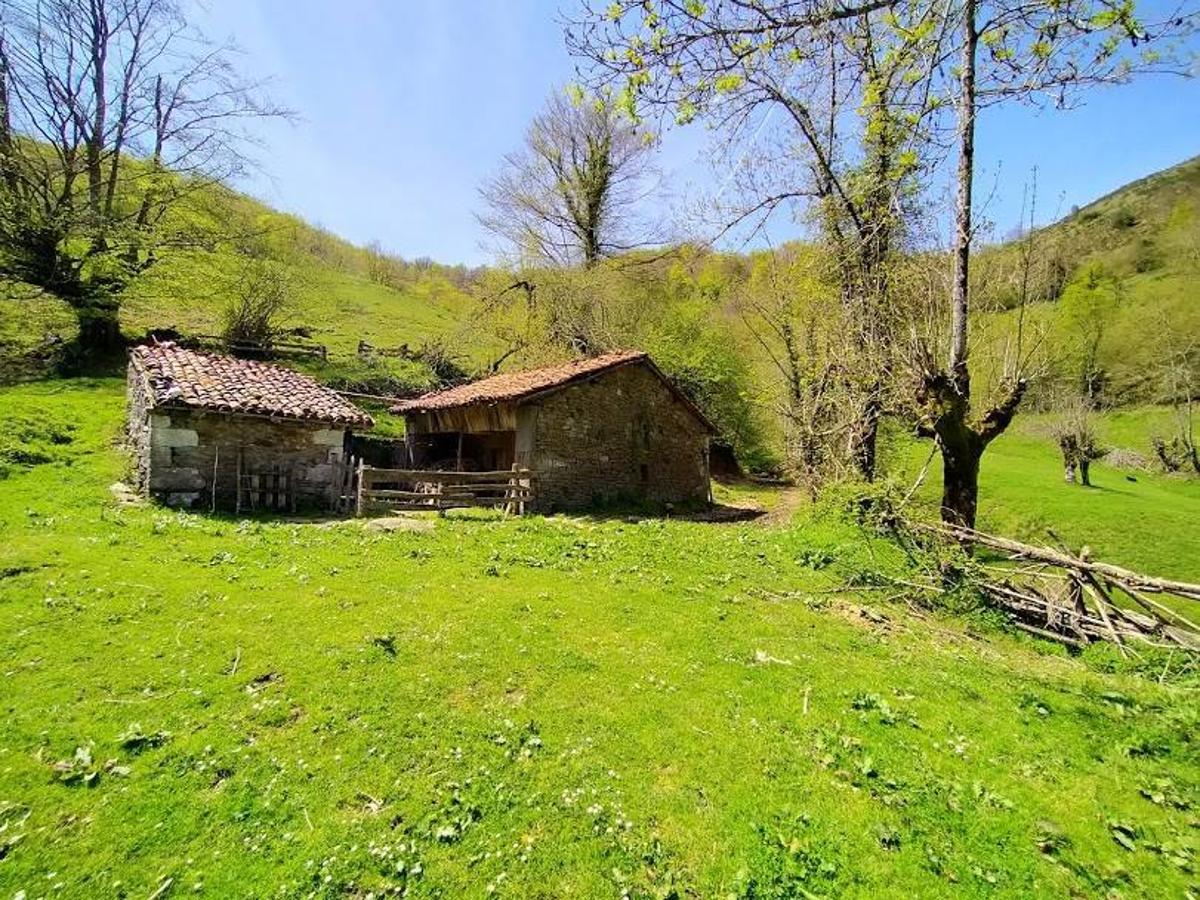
(790, 500)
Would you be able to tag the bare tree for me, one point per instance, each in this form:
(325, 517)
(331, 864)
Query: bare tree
(1179, 371)
(1076, 437)
(574, 193)
(112, 112)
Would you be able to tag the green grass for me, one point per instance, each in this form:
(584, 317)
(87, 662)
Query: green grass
(588, 707)
(1140, 519)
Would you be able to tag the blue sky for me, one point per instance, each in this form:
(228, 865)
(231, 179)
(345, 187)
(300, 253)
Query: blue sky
(407, 106)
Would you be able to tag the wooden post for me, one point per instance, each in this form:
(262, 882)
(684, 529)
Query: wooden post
(358, 502)
(216, 459)
(708, 470)
(510, 493)
(458, 459)
(237, 487)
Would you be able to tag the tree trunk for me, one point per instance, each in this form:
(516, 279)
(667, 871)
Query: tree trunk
(960, 445)
(961, 453)
(95, 141)
(99, 327)
(1068, 471)
(865, 439)
(1084, 477)
(962, 213)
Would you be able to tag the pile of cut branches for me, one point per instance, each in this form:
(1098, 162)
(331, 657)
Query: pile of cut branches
(1071, 598)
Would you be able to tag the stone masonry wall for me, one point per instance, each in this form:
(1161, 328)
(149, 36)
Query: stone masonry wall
(188, 450)
(621, 435)
(137, 428)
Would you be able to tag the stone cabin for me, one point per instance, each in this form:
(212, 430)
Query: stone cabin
(611, 427)
(200, 425)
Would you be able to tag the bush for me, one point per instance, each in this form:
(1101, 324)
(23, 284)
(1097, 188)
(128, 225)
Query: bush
(257, 306)
(1146, 257)
(27, 442)
(1124, 218)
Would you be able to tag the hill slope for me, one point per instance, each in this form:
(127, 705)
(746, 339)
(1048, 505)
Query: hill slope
(1124, 272)
(340, 293)
(1140, 244)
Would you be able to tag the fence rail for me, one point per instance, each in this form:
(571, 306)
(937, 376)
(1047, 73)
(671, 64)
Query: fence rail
(253, 348)
(362, 488)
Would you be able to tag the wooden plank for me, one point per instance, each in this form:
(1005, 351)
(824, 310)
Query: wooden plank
(377, 494)
(487, 499)
(442, 475)
(358, 506)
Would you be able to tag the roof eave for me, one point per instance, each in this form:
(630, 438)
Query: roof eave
(369, 422)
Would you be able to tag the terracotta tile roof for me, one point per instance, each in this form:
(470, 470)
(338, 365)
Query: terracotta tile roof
(518, 385)
(179, 377)
(522, 386)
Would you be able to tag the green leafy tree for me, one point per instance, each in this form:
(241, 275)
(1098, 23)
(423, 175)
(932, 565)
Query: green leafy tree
(1088, 306)
(821, 110)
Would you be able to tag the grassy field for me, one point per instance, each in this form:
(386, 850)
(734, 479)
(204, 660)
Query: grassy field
(1141, 519)
(569, 706)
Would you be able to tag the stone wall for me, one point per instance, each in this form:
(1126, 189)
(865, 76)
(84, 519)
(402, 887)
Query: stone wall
(622, 435)
(137, 427)
(181, 453)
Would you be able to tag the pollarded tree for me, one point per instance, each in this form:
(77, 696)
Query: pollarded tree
(1022, 51)
(573, 193)
(955, 57)
(112, 114)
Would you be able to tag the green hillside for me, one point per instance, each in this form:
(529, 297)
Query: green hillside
(341, 294)
(1119, 273)
(1142, 244)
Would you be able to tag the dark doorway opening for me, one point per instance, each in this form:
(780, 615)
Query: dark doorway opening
(484, 451)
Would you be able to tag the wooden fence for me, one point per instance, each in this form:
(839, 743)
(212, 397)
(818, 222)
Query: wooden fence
(252, 348)
(362, 488)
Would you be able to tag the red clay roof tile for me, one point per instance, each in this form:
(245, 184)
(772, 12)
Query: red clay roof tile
(517, 385)
(179, 377)
(521, 386)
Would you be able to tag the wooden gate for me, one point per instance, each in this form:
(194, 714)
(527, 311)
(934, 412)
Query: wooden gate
(511, 490)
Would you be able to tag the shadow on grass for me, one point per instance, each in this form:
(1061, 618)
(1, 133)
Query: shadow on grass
(717, 513)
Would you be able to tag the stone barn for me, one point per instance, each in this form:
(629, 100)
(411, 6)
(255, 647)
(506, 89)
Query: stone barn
(611, 427)
(217, 432)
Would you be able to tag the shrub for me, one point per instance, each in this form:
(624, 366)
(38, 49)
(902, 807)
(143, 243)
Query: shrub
(257, 306)
(1124, 218)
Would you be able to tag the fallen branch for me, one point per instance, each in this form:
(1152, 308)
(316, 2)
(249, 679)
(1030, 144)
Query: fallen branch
(1051, 557)
(1078, 604)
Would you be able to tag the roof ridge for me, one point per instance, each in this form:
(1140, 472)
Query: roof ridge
(524, 382)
